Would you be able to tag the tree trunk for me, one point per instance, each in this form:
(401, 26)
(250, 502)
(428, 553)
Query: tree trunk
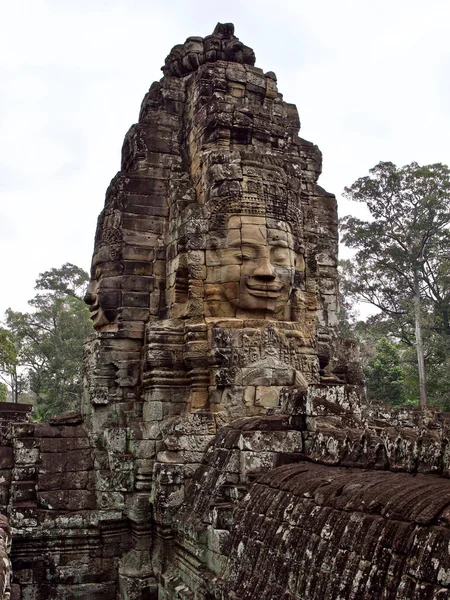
(15, 388)
(419, 343)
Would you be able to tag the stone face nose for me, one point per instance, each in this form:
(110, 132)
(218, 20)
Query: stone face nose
(264, 269)
(89, 297)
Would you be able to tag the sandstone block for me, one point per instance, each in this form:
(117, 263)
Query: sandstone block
(6, 457)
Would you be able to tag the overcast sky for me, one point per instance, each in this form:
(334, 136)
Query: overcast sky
(371, 81)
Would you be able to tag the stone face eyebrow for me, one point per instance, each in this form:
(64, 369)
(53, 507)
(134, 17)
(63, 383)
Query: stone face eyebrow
(281, 243)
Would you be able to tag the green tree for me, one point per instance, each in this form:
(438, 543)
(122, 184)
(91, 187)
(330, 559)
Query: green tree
(437, 358)
(3, 392)
(347, 312)
(52, 336)
(68, 280)
(41, 413)
(401, 263)
(384, 374)
(11, 375)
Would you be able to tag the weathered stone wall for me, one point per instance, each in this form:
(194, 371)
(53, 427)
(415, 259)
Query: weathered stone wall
(316, 532)
(240, 512)
(66, 541)
(251, 527)
(5, 563)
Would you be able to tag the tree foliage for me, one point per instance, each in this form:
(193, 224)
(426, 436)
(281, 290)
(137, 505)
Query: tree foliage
(385, 375)
(408, 233)
(402, 259)
(3, 392)
(10, 358)
(51, 339)
(68, 280)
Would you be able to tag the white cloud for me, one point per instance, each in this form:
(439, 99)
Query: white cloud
(370, 81)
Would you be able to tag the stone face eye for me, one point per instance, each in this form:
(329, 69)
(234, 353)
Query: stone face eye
(280, 255)
(246, 253)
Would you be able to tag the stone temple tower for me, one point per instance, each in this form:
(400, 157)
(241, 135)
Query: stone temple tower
(214, 274)
(214, 280)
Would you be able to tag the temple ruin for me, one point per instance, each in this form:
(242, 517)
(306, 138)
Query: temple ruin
(224, 449)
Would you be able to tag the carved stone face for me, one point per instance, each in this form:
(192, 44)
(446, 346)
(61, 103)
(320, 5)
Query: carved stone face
(102, 295)
(255, 266)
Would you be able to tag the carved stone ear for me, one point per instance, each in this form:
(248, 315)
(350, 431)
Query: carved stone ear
(213, 258)
(300, 263)
(214, 243)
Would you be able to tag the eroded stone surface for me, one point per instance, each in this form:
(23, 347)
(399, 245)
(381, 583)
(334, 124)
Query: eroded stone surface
(316, 532)
(5, 563)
